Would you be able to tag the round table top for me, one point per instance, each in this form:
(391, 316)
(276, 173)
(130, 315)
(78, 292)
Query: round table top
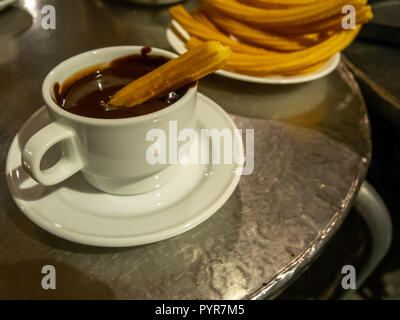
(312, 149)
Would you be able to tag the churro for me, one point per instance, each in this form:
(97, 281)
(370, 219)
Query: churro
(289, 62)
(174, 74)
(296, 60)
(197, 29)
(268, 4)
(280, 17)
(262, 38)
(363, 15)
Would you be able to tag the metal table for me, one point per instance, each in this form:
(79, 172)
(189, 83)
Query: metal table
(376, 64)
(312, 149)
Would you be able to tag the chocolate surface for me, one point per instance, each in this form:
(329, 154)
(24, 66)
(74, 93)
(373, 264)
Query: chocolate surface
(87, 91)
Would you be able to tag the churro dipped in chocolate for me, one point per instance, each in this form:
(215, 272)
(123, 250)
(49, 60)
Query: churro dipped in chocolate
(174, 74)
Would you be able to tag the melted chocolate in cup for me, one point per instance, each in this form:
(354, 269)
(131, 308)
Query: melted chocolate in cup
(87, 92)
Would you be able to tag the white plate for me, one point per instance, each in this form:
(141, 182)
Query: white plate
(5, 3)
(179, 46)
(76, 211)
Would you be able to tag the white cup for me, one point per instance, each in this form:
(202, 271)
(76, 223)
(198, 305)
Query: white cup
(110, 153)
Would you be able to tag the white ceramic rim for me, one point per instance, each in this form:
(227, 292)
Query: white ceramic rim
(177, 44)
(49, 81)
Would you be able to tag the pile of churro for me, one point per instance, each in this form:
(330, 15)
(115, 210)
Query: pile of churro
(274, 37)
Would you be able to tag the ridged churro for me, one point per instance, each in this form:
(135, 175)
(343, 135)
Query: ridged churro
(296, 60)
(268, 4)
(261, 38)
(289, 62)
(202, 32)
(280, 17)
(363, 15)
(174, 74)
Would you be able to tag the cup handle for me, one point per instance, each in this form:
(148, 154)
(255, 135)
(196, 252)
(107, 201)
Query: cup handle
(40, 143)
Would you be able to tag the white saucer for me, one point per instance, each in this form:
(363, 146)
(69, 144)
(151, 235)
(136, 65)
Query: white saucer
(76, 211)
(179, 46)
(5, 3)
